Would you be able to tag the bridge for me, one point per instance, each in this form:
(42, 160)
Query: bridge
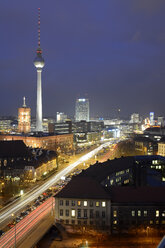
(31, 229)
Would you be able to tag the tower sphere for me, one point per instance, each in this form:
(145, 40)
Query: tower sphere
(39, 61)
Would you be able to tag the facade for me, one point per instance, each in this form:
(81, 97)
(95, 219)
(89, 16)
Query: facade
(82, 206)
(145, 146)
(5, 125)
(60, 143)
(161, 147)
(135, 118)
(160, 121)
(152, 121)
(61, 117)
(19, 161)
(24, 118)
(82, 109)
(120, 195)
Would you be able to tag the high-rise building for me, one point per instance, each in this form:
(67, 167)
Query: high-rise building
(24, 118)
(39, 64)
(161, 121)
(135, 118)
(82, 110)
(152, 121)
(60, 117)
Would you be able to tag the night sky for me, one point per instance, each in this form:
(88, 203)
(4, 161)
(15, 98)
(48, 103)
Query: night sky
(110, 51)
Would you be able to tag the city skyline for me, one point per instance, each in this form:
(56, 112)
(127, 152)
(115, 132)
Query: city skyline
(90, 48)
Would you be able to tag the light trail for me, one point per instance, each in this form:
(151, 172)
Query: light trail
(32, 195)
(25, 226)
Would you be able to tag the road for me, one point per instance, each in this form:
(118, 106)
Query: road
(18, 205)
(20, 231)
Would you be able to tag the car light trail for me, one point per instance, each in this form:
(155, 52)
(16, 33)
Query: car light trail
(24, 226)
(29, 197)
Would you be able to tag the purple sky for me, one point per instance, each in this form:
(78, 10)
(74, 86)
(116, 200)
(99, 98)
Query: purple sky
(112, 51)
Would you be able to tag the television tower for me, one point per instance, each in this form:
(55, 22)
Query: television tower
(39, 64)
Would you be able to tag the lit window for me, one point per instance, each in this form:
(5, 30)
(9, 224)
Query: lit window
(139, 213)
(103, 204)
(151, 222)
(79, 203)
(157, 213)
(97, 204)
(114, 213)
(145, 213)
(133, 212)
(85, 203)
(111, 181)
(73, 213)
(115, 222)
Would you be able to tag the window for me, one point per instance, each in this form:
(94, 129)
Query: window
(73, 213)
(67, 221)
(103, 223)
(145, 213)
(151, 222)
(114, 213)
(97, 214)
(103, 214)
(157, 213)
(61, 212)
(79, 222)
(103, 204)
(79, 203)
(91, 222)
(85, 213)
(61, 202)
(85, 222)
(67, 203)
(73, 203)
(115, 222)
(133, 213)
(67, 212)
(73, 222)
(91, 203)
(91, 213)
(97, 204)
(139, 213)
(79, 213)
(85, 203)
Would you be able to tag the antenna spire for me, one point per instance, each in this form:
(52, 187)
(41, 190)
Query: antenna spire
(38, 27)
(24, 102)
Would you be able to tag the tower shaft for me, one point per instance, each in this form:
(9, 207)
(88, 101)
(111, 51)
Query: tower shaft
(39, 127)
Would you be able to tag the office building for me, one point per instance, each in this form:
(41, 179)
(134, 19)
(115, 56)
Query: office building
(118, 195)
(152, 121)
(61, 117)
(135, 118)
(82, 109)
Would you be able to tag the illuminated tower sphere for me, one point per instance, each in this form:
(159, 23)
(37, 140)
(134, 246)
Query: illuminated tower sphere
(39, 64)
